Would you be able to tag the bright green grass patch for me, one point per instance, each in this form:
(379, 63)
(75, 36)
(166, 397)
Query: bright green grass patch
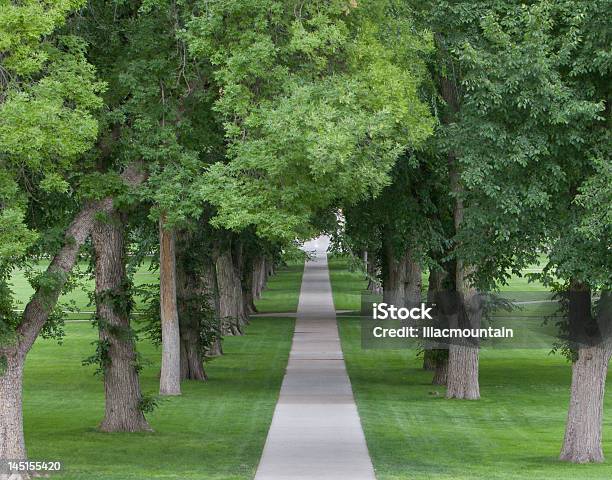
(282, 292)
(215, 430)
(514, 432)
(79, 297)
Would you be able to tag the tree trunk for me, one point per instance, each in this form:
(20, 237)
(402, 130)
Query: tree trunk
(241, 317)
(393, 274)
(430, 356)
(463, 356)
(263, 280)
(401, 277)
(12, 444)
(238, 262)
(582, 441)
(227, 292)
(412, 281)
(188, 298)
(192, 366)
(463, 372)
(372, 273)
(170, 378)
(211, 292)
(248, 287)
(429, 360)
(436, 280)
(121, 384)
(256, 277)
(440, 369)
(270, 267)
(216, 349)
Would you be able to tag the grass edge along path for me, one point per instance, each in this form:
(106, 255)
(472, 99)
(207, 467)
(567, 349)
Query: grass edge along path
(215, 430)
(514, 432)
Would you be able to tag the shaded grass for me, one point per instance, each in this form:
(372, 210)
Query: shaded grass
(215, 430)
(283, 297)
(348, 285)
(514, 432)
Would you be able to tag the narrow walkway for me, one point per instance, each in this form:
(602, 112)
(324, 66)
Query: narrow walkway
(316, 433)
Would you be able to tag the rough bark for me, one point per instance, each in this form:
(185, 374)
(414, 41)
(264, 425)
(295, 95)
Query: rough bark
(188, 296)
(44, 299)
(121, 384)
(211, 291)
(401, 277)
(248, 287)
(462, 380)
(192, 366)
(583, 430)
(238, 258)
(226, 282)
(434, 286)
(463, 355)
(169, 381)
(12, 444)
(263, 280)
(582, 440)
(256, 277)
(393, 274)
(239, 261)
(412, 281)
(440, 370)
(216, 349)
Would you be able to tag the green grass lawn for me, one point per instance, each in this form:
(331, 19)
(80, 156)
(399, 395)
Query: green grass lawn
(79, 296)
(279, 297)
(215, 430)
(348, 285)
(283, 297)
(514, 432)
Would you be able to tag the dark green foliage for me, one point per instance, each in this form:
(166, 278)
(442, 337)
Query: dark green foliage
(101, 358)
(148, 403)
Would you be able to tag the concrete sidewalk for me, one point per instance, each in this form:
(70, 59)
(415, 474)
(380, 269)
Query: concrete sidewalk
(316, 432)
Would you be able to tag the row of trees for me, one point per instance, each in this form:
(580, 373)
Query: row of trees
(212, 134)
(463, 137)
(519, 165)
